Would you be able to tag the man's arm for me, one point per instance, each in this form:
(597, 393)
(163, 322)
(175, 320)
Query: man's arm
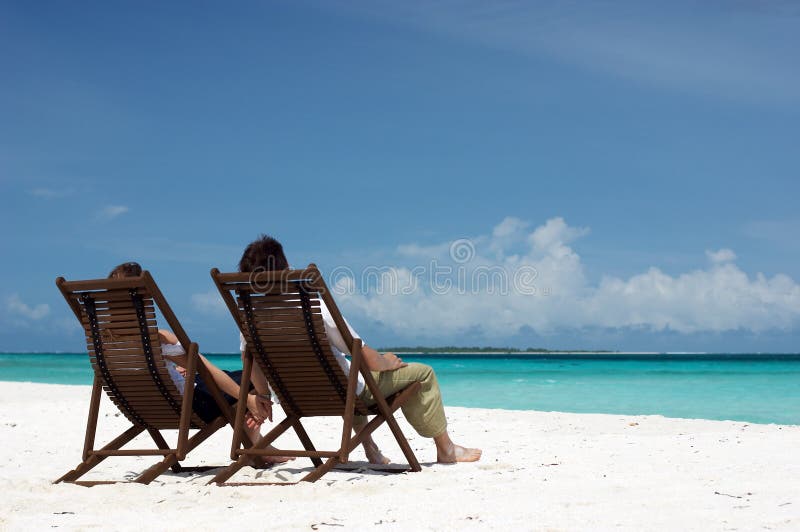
(258, 378)
(374, 360)
(377, 362)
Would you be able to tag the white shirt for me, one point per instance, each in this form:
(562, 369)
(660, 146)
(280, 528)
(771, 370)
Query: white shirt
(173, 350)
(338, 346)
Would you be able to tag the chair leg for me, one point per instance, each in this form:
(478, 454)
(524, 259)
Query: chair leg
(403, 443)
(388, 414)
(171, 460)
(317, 473)
(305, 440)
(244, 459)
(93, 459)
(155, 470)
(162, 444)
(228, 472)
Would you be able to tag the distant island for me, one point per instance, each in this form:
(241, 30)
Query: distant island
(451, 349)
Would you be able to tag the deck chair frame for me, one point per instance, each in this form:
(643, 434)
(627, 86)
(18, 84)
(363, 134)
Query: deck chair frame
(81, 297)
(298, 287)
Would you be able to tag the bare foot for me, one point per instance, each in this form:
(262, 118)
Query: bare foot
(455, 453)
(374, 454)
(264, 462)
(267, 461)
(276, 459)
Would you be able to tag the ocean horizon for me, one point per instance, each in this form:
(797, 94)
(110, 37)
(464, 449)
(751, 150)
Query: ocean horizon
(748, 387)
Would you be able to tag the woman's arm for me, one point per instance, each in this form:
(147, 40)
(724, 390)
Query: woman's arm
(260, 408)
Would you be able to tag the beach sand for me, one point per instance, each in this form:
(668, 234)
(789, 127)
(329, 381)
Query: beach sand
(540, 471)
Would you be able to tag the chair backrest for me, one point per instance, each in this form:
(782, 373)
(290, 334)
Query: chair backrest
(119, 321)
(279, 315)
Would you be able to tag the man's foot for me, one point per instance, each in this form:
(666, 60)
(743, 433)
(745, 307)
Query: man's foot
(265, 462)
(277, 459)
(374, 454)
(455, 453)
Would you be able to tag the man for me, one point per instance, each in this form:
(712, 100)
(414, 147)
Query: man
(424, 411)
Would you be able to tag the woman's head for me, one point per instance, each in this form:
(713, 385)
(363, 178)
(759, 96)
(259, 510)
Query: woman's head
(264, 253)
(126, 269)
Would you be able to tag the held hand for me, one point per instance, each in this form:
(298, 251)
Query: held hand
(251, 422)
(266, 406)
(260, 407)
(391, 362)
(253, 416)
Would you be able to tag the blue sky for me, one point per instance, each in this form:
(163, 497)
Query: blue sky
(641, 158)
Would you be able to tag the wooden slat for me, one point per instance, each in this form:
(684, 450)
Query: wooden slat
(115, 296)
(285, 327)
(144, 405)
(122, 345)
(291, 348)
(295, 338)
(124, 351)
(131, 395)
(247, 277)
(131, 331)
(126, 369)
(128, 354)
(282, 319)
(113, 317)
(280, 313)
(115, 306)
(126, 381)
(287, 289)
(302, 364)
(122, 327)
(96, 284)
(117, 321)
(268, 299)
(132, 363)
(286, 307)
(261, 305)
(293, 334)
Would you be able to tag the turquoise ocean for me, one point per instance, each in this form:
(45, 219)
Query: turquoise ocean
(757, 388)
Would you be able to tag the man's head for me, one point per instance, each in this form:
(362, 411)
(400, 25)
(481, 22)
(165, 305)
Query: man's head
(126, 269)
(264, 253)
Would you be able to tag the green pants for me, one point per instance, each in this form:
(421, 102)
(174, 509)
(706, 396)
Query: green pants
(424, 410)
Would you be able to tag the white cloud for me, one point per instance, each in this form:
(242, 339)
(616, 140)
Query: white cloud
(721, 255)
(508, 227)
(553, 236)
(18, 308)
(112, 211)
(736, 51)
(48, 193)
(547, 290)
(209, 303)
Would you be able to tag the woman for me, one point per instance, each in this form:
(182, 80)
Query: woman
(203, 403)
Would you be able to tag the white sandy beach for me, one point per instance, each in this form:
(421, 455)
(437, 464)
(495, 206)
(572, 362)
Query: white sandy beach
(540, 471)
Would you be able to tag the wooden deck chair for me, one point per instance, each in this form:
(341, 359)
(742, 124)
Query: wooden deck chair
(119, 320)
(279, 315)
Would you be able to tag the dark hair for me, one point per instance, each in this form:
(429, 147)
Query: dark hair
(264, 253)
(126, 269)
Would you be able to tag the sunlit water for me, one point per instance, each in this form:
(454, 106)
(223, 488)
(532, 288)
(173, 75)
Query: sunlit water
(754, 388)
